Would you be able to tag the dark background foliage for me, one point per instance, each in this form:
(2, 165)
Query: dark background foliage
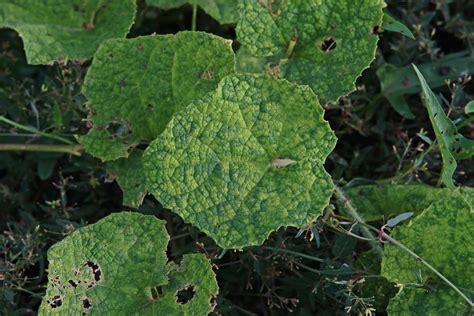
(45, 196)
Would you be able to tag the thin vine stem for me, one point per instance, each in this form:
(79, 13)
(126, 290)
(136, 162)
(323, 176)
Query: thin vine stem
(193, 22)
(34, 130)
(352, 212)
(302, 255)
(67, 149)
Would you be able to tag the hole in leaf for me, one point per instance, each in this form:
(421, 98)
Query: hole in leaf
(156, 293)
(185, 295)
(118, 129)
(73, 283)
(149, 107)
(86, 303)
(329, 44)
(95, 269)
(56, 301)
(376, 30)
(122, 84)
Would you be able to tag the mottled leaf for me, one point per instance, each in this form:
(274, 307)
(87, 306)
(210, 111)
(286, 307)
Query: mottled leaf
(130, 176)
(223, 11)
(441, 235)
(118, 266)
(66, 29)
(135, 85)
(452, 144)
(191, 290)
(391, 24)
(376, 202)
(323, 44)
(214, 164)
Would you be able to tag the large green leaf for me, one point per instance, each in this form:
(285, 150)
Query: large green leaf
(327, 43)
(452, 144)
(135, 85)
(130, 176)
(224, 11)
(244, 160)
(376, 202)
(442, 235)
(66, 29)
(118, 266)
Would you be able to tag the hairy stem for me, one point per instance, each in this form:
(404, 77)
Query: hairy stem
(67, 149)
(352, 212)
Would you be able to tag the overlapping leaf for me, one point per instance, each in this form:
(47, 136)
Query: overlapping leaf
(452, 144)
(442, 235)
(135, 85)
(130, 176)
(118, 266)
(376, 202)
(244, 160)
(327, 43)
(66, 29)
(397, 82)
(224, 11)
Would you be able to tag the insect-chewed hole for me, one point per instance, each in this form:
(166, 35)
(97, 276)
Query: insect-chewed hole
(183, 296)
(118, 129)
(95, 269)
(86, 303)
(156, 293)
(149, 108)
(329, 44)
(73, 283)
(376, 30)
(56, 301)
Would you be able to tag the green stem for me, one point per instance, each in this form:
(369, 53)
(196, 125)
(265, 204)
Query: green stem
(467, 121)
(302, 255)
(352, 212)
(67, 149)
(34, 130)
(193, 25)
(429, 266)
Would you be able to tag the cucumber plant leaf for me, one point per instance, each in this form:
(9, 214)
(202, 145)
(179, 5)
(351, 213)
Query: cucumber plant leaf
(441, 235)
(323, 44)
(375, 202)
(128, 172)
(223, 11)
(118, 266)
(452, 144)
(244, 160)
(135, 85)
(66, 29)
